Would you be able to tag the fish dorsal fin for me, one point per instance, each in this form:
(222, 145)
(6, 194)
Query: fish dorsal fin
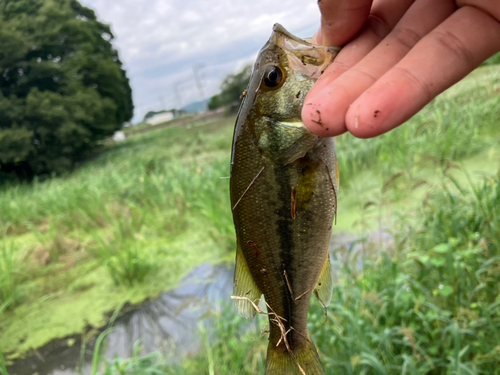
(324, 288)
(244, 286)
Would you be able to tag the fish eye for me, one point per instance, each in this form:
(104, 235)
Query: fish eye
(273, 76)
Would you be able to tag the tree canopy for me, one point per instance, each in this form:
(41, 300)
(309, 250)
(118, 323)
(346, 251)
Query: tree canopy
(62, 86)
(231, 89)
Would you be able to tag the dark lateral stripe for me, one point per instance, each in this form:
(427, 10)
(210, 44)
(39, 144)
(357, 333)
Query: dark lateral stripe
(284, 232)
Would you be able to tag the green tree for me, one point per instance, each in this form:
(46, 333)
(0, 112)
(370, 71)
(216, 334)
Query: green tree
(231, 89)
(62, 86)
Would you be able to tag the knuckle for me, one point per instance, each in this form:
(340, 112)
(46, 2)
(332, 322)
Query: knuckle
(340, 65)
(406, 37)
(378, 25)
(365, 72)
(490, 8)
(424, 86)
(453, 44)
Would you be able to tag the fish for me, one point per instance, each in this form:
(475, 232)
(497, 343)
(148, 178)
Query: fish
(283, 190)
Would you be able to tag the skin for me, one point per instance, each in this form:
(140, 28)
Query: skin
(398, 55)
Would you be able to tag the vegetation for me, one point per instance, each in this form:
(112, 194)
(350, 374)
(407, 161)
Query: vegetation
(495, 59)
(456, 125)
(112, 231)
(231, 89)
(62, 88)
(427, 304)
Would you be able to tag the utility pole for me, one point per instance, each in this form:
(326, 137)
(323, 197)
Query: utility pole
(196, 70)
(178, 95)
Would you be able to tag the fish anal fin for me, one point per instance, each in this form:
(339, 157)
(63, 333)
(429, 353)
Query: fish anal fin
(324, 287)
(244, 286)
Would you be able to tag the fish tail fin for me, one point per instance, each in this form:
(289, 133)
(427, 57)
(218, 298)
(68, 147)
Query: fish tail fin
(281, 362)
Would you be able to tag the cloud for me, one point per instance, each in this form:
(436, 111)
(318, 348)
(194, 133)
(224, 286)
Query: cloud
(161, 41)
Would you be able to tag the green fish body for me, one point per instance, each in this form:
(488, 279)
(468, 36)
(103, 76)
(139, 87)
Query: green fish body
(284, 189)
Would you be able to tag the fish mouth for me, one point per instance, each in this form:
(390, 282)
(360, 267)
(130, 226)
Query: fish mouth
(277, 28)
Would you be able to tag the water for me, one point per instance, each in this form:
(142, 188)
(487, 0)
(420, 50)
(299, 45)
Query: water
(169, 324)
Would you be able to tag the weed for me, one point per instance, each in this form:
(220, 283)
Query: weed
(452, 127)
(9, 275)
(3, 367)
(126, 257)
(431, 306)
(230, 345)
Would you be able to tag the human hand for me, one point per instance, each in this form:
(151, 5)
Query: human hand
(398, 55)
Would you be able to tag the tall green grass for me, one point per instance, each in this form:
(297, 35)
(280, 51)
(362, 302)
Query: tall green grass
(155, 185)
(10, 269)
(430, 304)
(454, 126)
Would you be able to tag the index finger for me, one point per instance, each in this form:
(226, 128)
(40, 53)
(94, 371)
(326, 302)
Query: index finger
(341, 20)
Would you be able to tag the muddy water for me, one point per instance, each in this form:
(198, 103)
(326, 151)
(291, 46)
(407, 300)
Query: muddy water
(170, 323)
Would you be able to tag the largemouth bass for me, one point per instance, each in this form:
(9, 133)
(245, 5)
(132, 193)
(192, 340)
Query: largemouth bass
(284, 197)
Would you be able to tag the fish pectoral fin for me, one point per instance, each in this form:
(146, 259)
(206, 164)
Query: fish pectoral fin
(245, 286)
(285, 142)
(296, 150)
(324, 287)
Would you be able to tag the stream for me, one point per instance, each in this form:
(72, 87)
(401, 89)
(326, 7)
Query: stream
(168, 324)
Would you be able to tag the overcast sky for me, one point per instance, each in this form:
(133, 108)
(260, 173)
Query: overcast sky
(160, 41)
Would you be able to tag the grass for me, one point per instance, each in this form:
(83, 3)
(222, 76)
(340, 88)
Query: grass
(429, 304)
(461, 125)
(132, 222)
(9, 276)
(456, 125)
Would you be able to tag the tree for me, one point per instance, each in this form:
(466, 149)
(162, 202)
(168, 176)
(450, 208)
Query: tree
(231, 89)
(62, 86)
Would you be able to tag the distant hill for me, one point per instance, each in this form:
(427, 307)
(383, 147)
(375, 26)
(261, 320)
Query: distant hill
(199, 106)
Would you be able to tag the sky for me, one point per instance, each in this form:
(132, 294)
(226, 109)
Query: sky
(162, 42)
